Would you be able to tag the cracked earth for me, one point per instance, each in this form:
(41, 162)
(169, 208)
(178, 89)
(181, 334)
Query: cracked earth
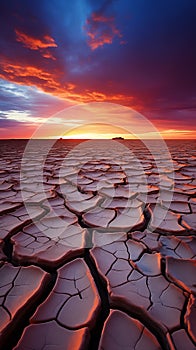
(100, 251)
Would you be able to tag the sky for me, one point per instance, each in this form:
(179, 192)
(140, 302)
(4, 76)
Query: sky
(55, 54)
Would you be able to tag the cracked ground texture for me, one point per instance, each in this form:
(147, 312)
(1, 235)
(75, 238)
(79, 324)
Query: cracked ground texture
(97, 251)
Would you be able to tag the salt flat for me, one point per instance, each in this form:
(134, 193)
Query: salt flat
(97, 245)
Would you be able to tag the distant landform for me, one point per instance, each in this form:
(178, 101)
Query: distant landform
(118, 138)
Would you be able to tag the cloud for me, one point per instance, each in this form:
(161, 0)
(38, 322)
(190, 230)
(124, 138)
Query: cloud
(100, 30)
(35, 43)
(41, 44)
(10, 129)
(23, 103)
(50, 82)
(47, 54)
(153, 73)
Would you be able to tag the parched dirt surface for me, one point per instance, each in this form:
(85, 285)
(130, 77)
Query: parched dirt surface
(97, 246)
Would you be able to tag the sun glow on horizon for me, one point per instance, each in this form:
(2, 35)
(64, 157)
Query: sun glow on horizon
(97, 131)
(106, 131)
(99, 120)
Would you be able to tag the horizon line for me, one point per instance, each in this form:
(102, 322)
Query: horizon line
(77, 139)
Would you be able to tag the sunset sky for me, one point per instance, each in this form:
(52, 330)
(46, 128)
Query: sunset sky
(58, 53)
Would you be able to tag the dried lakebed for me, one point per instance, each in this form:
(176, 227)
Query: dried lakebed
(97, 247)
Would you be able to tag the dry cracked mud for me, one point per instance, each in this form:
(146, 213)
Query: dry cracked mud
(97, 249)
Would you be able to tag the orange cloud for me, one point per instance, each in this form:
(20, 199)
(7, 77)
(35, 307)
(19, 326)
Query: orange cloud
(49, 55)
(178, 134)
(24, 132)
(26, 74)
(50, 81)
(35, 43)
(101, 30)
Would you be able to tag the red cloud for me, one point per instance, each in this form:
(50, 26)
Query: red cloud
(37, 43)
(48, 54)
(101, 30)
(30, 75)
(50, 81)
